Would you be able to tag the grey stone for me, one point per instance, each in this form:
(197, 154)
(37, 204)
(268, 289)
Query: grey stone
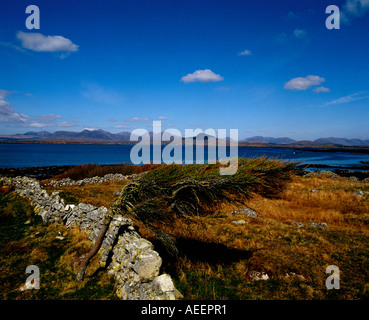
(148, 266)
(256, 275)
(353, 178)
(247, 211)
(322, 225)
(359, 193)
(298, 224)
(163, 283)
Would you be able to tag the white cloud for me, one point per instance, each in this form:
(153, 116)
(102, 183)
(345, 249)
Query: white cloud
(202, 76)
(135, 119)
(16, 118)
(5, 109)
(245, 53)
(71, 123)
(8, 45)
(40, 43)
(122, 127)
(9, 117)
(354, 9)
(163, 118)
(301, 83)
(43, 121)
(350, 98)
(7, 114)
(38, 125)
(299, 33)
(222, 89)
(49, 117)
(4, 93)
(321, 89)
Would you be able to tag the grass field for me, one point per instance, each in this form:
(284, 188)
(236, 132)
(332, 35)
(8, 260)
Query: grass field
(26, 241)
(217, 258)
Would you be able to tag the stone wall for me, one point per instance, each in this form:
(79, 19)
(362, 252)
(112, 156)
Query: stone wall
(107, 177)
(130, 258)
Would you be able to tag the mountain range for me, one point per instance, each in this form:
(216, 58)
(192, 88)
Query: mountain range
(69, 136)
(317, 142)
(102, 136)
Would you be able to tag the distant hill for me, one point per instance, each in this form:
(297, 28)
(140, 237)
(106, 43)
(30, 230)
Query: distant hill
(330, 141)
(269, 140)
(69, 136)
(102, 136)
(343, 141)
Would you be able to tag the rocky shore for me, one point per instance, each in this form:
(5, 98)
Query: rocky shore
(333, 175)
(39, 173)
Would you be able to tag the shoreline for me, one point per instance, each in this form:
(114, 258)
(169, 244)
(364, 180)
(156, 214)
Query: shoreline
(313, 148)
(40, 173)
(48, 172)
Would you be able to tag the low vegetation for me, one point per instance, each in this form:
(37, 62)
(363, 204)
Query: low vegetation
(216, 258)
(54, 249)
(219, 257)
(101, 194)
(176, 191)
(94, 170)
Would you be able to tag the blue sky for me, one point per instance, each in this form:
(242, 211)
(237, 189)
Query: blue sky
(268, 68)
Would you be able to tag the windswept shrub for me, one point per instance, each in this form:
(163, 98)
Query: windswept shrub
(188, 190)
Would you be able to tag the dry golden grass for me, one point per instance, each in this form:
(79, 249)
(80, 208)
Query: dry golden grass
(100, 194)
(218, 256)
(277, 247)
(334, 202)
